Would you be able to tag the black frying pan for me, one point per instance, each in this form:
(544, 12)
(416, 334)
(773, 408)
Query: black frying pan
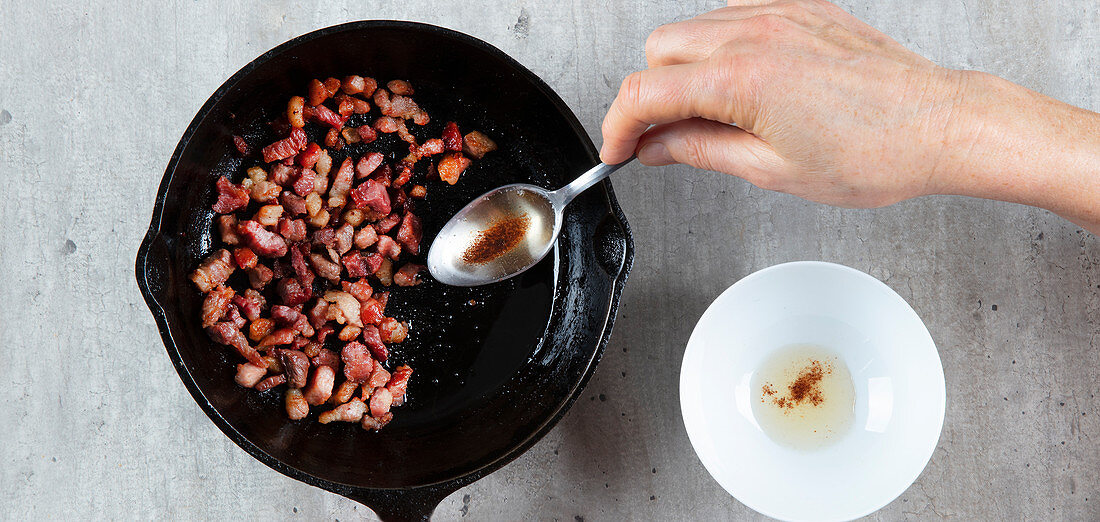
(491, 377)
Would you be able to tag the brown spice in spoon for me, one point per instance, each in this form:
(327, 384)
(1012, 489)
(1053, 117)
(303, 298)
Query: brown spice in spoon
(493, 242)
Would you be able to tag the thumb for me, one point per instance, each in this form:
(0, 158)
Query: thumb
(710, 145)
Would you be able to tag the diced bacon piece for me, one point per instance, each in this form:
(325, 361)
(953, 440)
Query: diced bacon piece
(421, 118)
(259, 276)
(332, 85)
(401, 87)
(451, 166)
(320, 385)
(404, 175)
(325, 268)
(271, 382)
(344, 107)
(332, 139)
(341, 184)
(353, 84)
(387, 224)
(293, 203)
(418, 192)
(367, 134)
(385, 272)
(382, 100)
(213, 271)
(228, 334)
(317, 313)
(249, 375)
(227, 229)
(251, 304)
(393, 331)
(354, 264)
(349, 411)
(230, 196)
(308, 157)
(234, 316)
(401, 107)
(410, 233)
(371, 423)
(326, 357)
(373, 339)
(216, 305)
(282, 174)
(430, 147)
(344, 236)
(296, 365)
(405, 135)
(371, 313)
(387, 247)
(380, 402)
(317, 92)
(452, 138)
(408, 275)
(292, 229)
(303, 186)
(268, 215)
(365, 237)
(285, 315)
(245, 257)
(265, 191)
(371, 195)
(298, 263)
(286, 147)
(358, 364)
(262, 241)
(294, 111)
(296, 406)
(399, 381)
(367, 164)
(241, 145)
(326, 116)
(477, 145)
(344, 392)
(347, 305)
(360, 289)
(282, 336)
(385, 124)
(291, 292)
(324, 237)
(260, 328)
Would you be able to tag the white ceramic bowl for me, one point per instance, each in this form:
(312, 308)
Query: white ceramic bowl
(899, 391)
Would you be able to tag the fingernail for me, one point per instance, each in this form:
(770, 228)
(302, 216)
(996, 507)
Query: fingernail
(655, 154)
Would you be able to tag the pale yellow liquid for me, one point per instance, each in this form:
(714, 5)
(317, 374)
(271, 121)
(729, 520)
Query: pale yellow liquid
(804, 425)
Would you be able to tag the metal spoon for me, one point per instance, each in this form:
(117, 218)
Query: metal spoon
(505, 231)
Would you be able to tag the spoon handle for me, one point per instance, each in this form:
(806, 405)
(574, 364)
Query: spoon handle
(594, 175)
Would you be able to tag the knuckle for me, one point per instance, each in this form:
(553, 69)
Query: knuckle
(630, 92)
(653, 42)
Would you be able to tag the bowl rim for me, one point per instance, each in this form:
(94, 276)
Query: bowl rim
(686, 373)
(154, 235)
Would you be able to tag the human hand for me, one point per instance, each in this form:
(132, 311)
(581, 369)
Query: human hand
(825, 106)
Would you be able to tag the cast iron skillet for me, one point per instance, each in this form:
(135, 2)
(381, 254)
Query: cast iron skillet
(496, 366)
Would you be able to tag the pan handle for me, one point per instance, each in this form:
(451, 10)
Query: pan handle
(403, 505)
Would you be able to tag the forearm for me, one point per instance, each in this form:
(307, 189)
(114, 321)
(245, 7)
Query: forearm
(1009, 143)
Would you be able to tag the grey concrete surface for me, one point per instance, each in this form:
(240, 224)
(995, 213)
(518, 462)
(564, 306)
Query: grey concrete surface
(94, 95)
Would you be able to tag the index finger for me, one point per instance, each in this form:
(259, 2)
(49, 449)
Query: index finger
(664, 95)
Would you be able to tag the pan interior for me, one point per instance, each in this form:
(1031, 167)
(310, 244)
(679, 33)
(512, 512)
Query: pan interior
(492, 364)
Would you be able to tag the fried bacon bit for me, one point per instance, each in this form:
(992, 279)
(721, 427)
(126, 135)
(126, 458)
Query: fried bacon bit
(251, 304)
(368, 163)
(265, 191)
(241, 145)
(421, 118)
(344, 237)
(400, 107)
(367, 134)
(382, 100)
(228, 334)
(248, 374)
(292, 229)
(344, 392)
(385, 271)
(393, 331)
(260, 328)
(332, 85)
(371, 195)
(317, 93)
(259, 276)
(387, 247)
(216, 305)
(308, 157)
(353, 84)
(408, 275)
(349, 411)
(337, 194)
(385, 124)
(371, 312)
(430, 147)
(271, 382)
(286, 147)
(401, 87)
(268, 215)
(227, 229)
(348, 306)
(305, 182)
(296, 406)
(399, 381)
(262, 241)
(294, 112)
(404, 176)
(320, 386)
(365, 237)
(451, 166)
(452, 138)
(405, 135)
(230, 196)
(344, 107)
(325, 115)
(325, 268)
(371, 423)
(358, 364)
(296, 365)
(360, 289)
(410, 233)
(418, 192)
(373, 339)
(380, 402)
(214, 271)
(291, 292)
(350, 135)
(282, 174)
(477, 145)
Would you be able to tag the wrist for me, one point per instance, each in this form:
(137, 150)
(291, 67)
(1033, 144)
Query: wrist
(1005, 142)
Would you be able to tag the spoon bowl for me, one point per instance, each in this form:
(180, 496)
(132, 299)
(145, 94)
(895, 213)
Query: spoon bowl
(505, 231)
